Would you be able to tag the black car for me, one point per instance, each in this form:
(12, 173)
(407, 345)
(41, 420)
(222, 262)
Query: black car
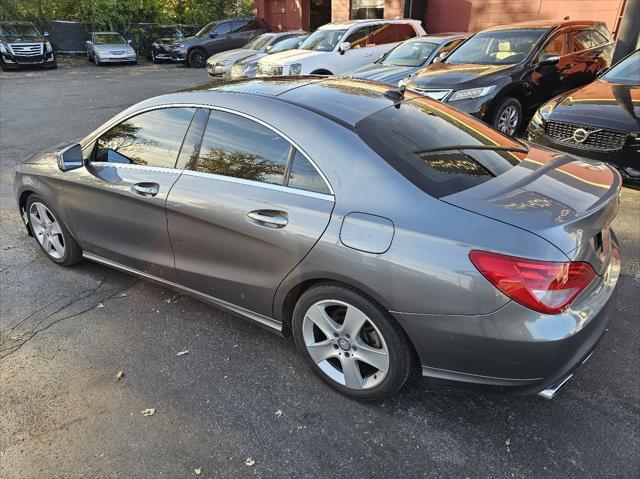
(503, 73)
(599, 121)
(216, 37)
(21, 44)
(155, 41)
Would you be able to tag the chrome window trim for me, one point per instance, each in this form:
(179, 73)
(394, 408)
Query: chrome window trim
(260, 184)
(94, 135)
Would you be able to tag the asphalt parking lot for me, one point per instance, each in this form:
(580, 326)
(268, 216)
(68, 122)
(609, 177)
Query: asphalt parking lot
(241, 392)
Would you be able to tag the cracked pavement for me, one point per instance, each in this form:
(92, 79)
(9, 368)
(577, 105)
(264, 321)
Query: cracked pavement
(66, 332)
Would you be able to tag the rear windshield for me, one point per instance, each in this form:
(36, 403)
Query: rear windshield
(404, 135)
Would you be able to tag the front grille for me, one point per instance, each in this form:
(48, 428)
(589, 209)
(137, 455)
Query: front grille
(596, 138)
(439, 95)
(270, 71)
(117, 52)
(27, 49)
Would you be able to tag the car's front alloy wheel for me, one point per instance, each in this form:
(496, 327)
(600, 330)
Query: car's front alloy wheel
(51, 234)
(351, 343)
(508, 116)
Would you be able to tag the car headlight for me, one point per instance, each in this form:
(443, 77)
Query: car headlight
(472, 93)
(251, 67)
(542, 113)
(3, 49)
(223, 63)
(295, 68)
(48, 46)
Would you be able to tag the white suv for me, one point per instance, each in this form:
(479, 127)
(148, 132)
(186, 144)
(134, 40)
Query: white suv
(337, 47)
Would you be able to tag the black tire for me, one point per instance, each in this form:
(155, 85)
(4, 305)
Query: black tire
(197, 58)
(503, 108)
(72, 251)
(400, 351)
(154, 59)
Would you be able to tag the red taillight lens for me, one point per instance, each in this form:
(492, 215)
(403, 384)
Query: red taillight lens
(544, 286)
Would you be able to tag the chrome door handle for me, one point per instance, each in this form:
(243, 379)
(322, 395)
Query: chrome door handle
(269, 218)
(146, 189)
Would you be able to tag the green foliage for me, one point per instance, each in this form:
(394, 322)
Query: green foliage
(121, 14)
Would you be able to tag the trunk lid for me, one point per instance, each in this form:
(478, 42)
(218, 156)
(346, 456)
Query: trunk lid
(568, 201)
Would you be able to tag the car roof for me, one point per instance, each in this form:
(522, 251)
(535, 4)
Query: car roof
(439, 37)
(344, 100)
(350, 23)
(547, 24)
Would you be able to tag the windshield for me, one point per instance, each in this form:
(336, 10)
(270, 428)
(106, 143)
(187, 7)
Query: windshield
(18, 30)
(502, 47)
(259, 42)
(107, 39)
(627, 72)
(204, 31)
(439, 149)
(167, 32)
(410, 54)
(322, 40)
(284, 45)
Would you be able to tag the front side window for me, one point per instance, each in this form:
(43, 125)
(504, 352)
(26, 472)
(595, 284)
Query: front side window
(359, 37)
(223, 28)
(151, 139)
(449, 47)
(322, 40)
(259, 42)
(498, 47)
(390, 33)
(361, 9)
(204, 31)
(284, 45)
(410, 54)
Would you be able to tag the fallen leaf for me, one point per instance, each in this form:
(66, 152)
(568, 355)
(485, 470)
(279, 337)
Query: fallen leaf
(149, 412)
(19, 336)
(182, 353)
(197, 471)
(279, 413)
(119, 375)
(249, 462)
(122, 295)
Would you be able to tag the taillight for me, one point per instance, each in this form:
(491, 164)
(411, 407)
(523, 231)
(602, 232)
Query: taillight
(544, 286)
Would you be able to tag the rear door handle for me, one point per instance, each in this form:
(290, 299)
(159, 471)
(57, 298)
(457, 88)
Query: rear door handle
(269, 218)
(146, 189)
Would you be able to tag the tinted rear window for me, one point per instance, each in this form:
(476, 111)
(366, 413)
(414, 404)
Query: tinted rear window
(404, 135)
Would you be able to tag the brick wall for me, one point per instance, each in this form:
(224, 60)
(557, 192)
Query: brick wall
(474, 15)
(340, 10)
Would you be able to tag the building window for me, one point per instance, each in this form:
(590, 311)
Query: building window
(367, 9)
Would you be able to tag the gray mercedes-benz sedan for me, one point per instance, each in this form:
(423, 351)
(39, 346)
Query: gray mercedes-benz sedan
(388, 232)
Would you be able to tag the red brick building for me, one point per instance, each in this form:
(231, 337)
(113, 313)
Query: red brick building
(437, 15)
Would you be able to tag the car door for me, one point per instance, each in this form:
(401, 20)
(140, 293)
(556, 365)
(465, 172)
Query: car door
(220, 39)
(118, 201)
(550, 79)
(247, 209)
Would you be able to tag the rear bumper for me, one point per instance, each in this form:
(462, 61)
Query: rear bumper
(514, 348)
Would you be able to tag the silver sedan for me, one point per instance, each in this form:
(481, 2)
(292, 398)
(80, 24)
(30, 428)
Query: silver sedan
(109, 47)
(388, 232)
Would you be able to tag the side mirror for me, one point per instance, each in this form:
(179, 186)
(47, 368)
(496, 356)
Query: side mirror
(437, 59)
(70, 158)
(130, 42)
(45, 34)
(213, 34)
(548, 60)
(344, 46)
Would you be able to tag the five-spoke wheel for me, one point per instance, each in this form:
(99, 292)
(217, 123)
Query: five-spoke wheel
(50, 233)
(351, 342)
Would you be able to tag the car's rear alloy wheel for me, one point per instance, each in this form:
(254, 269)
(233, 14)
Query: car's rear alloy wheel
(52, 236)
(351, 343)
